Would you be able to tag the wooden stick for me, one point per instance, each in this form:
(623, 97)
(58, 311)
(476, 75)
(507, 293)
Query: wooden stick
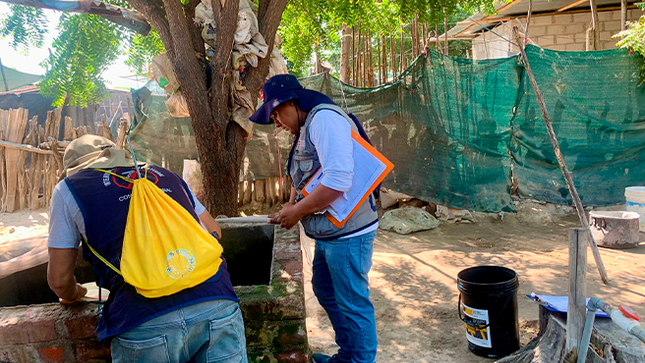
(577, 288)
(565, 171)
(25, 147)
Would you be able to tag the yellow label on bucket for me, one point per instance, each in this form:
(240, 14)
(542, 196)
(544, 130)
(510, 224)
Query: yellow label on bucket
(477, 329)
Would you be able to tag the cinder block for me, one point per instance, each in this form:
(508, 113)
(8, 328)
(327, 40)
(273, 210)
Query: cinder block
(537, 30)
(580, 37)
(609, 44)
(615, 15)
(633, 14)
(604, 15)
(612, 26)
(556, 47)
(575, 47)
(564, 39)
(545, 40)
(543, 20)
(584, 18)
(606, 35)
(575, 28)
(555, 29)
(563, 19)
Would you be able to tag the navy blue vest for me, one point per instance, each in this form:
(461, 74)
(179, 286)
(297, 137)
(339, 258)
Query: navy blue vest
(104, 201)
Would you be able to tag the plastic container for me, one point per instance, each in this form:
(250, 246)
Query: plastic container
(635, 202)
(615, 229)
(488, 307)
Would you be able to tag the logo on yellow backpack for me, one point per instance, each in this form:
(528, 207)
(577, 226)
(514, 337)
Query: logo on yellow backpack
(180, 263)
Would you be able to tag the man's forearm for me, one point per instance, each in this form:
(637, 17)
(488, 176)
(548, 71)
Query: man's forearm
(320, 198)
(66, 289)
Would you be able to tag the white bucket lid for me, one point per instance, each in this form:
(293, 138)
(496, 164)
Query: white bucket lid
(635, 189)
(614, 214)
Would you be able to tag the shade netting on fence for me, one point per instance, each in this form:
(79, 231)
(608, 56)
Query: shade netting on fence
(459, 130)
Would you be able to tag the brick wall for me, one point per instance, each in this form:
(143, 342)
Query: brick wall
(50, 333)
(274, 319)
(557, 32)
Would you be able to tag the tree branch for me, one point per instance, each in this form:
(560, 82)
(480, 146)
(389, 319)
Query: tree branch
(124, 17)
(268, 23)
(190, 75)
(154, 12)
(195, 30)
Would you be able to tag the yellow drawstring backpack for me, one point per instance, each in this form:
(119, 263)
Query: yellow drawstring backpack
(165, 250)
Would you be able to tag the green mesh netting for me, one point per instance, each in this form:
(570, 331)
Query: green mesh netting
(598, 114)
(458, 130)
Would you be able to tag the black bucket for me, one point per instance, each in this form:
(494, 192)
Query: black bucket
(488, 306)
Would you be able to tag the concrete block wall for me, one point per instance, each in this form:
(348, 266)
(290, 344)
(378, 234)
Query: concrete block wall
(557, 32)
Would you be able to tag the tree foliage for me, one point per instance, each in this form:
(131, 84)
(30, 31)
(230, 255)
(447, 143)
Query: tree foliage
(315, 25)
(634, 38)
(85, 47)
(142, 50)
(26, 26)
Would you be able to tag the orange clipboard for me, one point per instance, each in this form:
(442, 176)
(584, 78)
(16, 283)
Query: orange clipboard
(388, 166)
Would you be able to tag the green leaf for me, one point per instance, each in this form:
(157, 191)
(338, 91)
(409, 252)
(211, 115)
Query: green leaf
(86, 46)
(26, 26)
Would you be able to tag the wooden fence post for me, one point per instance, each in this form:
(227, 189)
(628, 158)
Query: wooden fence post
(577, 288)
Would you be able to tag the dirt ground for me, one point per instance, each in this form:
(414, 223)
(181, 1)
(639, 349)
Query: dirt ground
(413, 283)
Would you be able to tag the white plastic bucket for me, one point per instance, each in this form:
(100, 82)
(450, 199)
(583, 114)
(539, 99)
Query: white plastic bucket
(635, 202)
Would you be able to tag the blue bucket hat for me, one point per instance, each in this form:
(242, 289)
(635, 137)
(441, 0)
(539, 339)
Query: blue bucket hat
(282, 88)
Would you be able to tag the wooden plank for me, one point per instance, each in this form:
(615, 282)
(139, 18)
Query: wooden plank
(260, 191)
(571, 5)
(247, 192)
(24, 147)
(563, 166)
(508, 6)
(68, 134)
(577, 287)
(16, 128)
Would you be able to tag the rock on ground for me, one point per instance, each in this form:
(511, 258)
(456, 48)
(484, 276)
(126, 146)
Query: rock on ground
(408, 220)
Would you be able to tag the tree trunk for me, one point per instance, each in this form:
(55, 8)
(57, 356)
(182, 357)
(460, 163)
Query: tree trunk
(392, 58)
(365, 81)
(402, 62)
(425, 36)
(445, 31)
(623, 14)
(345, 52)
(417, 43)
(371, 60)
(385, 70)
(379, 62)
(436, 37)
(357, 57)
(595, 30)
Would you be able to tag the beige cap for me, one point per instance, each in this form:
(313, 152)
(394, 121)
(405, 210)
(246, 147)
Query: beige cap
(91, 151)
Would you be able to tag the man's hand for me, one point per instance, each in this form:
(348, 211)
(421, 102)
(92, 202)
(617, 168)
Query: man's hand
(288, 216)
(81, 291)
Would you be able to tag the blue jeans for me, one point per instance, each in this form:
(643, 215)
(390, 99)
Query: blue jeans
(212, 331)
(341, 285)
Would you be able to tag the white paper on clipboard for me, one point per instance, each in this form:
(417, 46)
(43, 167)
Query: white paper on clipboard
(367, 169)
